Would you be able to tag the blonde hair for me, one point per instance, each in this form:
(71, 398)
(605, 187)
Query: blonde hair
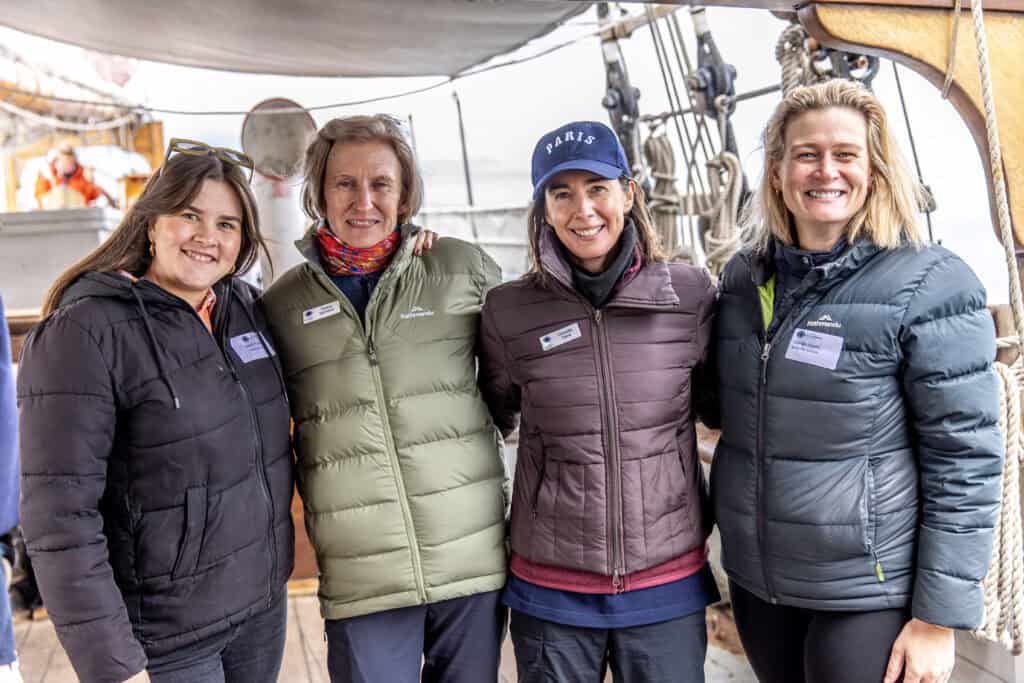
(889, 215)
(359, 129)
(646, 236)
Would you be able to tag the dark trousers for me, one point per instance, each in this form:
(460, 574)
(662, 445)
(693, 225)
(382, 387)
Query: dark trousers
(455, 641)
(794, 645)
(667, 652)
(248, 653)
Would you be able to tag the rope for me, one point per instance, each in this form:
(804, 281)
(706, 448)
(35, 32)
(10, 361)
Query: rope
(725, 176)
(67, 125)
(665, 199)
(791, 55)
(1003, 586)
(951, 64)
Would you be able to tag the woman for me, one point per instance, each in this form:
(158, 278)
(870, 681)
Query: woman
(398, 461)
(597, 349)
(156, 464)
(857, 478)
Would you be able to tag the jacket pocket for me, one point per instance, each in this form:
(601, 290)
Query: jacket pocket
(195, 524)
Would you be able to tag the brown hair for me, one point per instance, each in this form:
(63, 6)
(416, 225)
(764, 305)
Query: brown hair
(646, 236)
(889, 215)
(166, 192)
(376, 128)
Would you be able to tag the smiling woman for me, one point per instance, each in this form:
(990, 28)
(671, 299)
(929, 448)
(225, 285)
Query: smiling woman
(157, 516)
(199, 245)
(856, 481)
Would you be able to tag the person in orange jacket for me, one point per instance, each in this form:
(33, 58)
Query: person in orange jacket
(64, 169)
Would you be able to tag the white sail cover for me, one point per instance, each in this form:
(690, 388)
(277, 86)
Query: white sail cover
(298, 37)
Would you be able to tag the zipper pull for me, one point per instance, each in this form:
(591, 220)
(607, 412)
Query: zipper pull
(879, 574)
(764, 362)
(617, 581)
(597, 316)
(373, 351)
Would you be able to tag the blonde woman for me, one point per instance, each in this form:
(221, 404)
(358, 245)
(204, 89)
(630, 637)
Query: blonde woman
(856, 482)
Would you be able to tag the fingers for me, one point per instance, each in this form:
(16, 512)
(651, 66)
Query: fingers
(424, 241)
(895, 666)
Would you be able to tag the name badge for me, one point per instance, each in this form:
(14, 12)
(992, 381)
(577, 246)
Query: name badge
(311, 315)
(563, 335)
(248, 346)
(815, 348)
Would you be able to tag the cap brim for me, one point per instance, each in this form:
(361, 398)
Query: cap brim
(597, 167)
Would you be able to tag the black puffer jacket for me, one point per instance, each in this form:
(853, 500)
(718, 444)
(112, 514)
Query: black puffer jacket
(860, 458)
(156, 470)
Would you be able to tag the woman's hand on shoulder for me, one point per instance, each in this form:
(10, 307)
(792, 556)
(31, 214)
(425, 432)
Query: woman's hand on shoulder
(141, 677)
(923, 652)
(424, 241)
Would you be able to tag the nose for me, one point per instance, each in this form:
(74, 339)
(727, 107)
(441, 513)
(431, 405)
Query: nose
(584, 206)
(827, 166)
(206, 232)
(364, 198)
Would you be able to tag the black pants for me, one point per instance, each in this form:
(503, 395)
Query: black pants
(456, 641)
(794, 645)
(667, 652)
(250, 652)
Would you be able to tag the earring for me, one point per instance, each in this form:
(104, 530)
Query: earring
(152, 250)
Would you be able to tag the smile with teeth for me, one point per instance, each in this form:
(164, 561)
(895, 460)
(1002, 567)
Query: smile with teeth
(825, 194)
(198, 256)
(588, 232)
(362, 223)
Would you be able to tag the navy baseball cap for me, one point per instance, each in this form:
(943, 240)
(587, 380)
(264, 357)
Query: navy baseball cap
(578, 146)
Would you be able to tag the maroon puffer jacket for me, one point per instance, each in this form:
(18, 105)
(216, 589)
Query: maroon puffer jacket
(607, 480)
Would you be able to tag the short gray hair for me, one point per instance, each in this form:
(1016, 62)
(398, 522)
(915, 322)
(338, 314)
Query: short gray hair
(375, 128)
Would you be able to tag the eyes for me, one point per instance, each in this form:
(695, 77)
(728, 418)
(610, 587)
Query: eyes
(597, 190)
(844, 155)
(227, 226)
(378, 185)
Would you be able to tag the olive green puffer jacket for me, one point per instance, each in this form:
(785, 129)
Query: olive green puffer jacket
(399, 465)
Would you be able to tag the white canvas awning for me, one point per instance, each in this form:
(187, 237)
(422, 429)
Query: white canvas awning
(298, 37)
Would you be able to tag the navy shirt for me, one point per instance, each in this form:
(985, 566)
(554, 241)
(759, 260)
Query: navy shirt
(358, 288)
(617, 610)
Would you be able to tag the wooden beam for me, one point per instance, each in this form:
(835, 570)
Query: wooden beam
(919, 37)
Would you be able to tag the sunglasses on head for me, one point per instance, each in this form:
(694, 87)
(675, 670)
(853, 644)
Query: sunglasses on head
(201, 149)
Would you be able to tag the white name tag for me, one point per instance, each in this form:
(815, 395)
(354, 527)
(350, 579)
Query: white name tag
(311, 315)
(249, 347)
(560, 336)
(815, 348)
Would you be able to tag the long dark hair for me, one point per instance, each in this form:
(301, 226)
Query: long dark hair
(646, 236)
(168, 192)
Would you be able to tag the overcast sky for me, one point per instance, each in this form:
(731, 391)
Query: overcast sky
(508, 109)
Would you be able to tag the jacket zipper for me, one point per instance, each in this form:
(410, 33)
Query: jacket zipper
(766, 350)
(257, 443)
(378, 384)
(615, 457)
(403, 497)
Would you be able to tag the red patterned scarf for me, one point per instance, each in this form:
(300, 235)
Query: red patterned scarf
(339, 258)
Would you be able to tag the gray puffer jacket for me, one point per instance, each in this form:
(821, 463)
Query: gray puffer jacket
(860, 459)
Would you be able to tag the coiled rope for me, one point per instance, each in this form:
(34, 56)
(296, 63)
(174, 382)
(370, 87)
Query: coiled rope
(1004, 584)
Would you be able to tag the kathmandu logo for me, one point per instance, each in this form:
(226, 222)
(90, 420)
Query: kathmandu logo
(416, 312)
(824, 321)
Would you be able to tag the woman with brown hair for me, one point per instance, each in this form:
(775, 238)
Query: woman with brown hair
(399, 468)
(599, 351)
(857, 478)
(156, 460)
